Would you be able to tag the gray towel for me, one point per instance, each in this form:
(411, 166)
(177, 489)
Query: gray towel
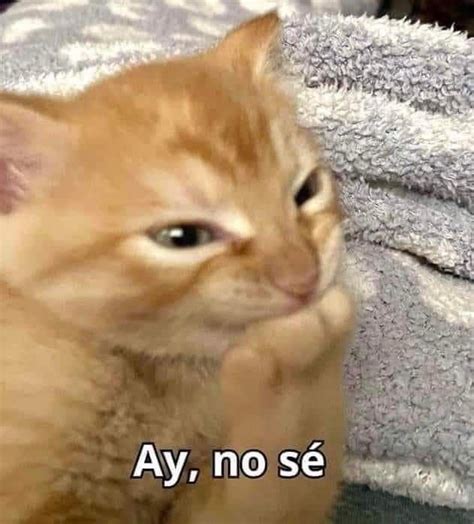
(392, 104)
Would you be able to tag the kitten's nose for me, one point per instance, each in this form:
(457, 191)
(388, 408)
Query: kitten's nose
(295, 273)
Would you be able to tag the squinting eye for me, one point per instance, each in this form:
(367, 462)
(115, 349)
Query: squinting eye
(308, 190)
(183, 236)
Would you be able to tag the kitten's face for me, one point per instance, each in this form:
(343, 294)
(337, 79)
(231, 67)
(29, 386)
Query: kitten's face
(189, 204)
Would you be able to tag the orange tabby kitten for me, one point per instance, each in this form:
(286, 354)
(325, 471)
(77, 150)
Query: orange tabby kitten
(168, 220)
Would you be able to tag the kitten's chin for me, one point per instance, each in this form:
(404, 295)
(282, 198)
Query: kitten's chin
(188, 340)
(298, 303)
(211, 335)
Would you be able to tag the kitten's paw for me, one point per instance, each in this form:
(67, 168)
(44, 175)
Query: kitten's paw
(266, 377)
(295, 342)
(337, 310)
(247, 378)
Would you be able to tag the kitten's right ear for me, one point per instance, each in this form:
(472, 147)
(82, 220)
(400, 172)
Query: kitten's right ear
(33, 146)
(252, 47)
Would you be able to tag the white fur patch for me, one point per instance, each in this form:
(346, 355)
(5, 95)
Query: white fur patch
(324, 196)
(234, 224)
(330, 257)
(154, 254)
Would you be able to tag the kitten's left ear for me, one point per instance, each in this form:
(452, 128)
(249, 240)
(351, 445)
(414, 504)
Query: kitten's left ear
(253, 47)
(33, 146)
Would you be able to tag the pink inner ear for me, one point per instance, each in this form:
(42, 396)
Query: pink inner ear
(13, 186)
(15, 150)
(31, 146)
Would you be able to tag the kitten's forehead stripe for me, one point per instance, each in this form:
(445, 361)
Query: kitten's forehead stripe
(239, 134)
(202, 149)
(241, 130)
(218, 122)
(227, 142)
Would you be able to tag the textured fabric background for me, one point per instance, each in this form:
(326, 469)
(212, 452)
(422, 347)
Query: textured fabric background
(392, 104)
(360, 505)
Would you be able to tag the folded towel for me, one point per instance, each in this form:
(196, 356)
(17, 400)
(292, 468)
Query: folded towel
(392, 103)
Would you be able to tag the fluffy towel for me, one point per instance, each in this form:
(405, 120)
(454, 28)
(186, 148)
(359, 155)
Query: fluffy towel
(392, 105)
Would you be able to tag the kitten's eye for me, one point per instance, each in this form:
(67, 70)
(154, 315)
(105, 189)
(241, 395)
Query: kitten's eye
(183, 236)
(308, 190)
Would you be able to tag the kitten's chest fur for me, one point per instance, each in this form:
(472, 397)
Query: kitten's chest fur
(170, 401)
(83, 411)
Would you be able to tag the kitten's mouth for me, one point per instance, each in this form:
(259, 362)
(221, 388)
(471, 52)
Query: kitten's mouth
(294, 303)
